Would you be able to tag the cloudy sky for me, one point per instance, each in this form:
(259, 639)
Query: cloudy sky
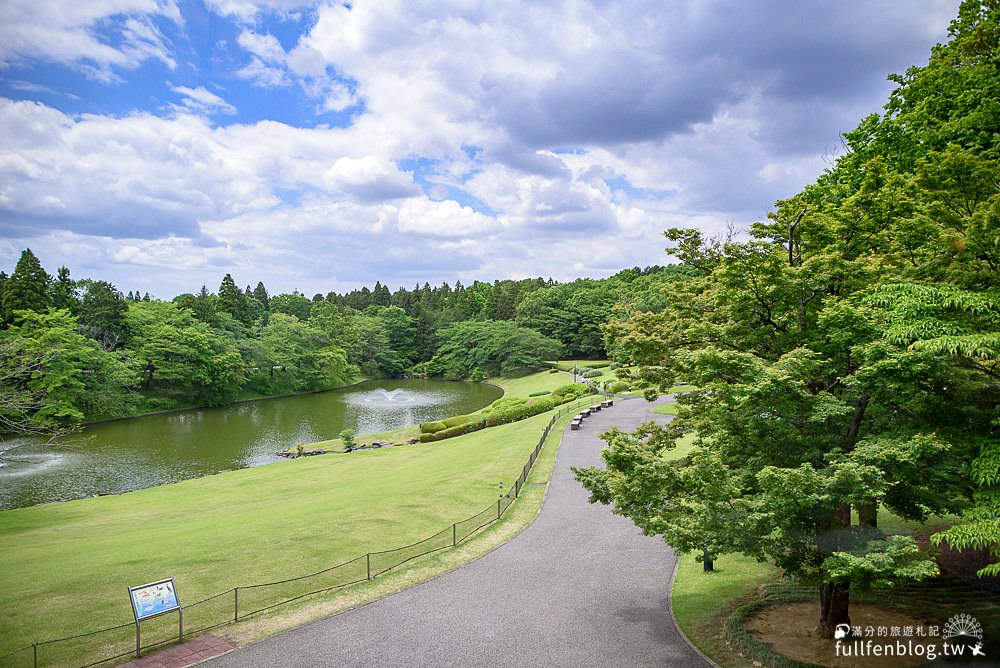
(320, 146)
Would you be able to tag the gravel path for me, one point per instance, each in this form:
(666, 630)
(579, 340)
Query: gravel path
(578, 587)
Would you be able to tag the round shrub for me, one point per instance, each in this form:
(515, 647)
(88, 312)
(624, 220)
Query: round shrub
(615, 365)
(593, 373)
(619, 386)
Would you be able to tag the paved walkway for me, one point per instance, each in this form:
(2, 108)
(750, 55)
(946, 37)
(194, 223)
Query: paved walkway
(578, 587)
(187, 653)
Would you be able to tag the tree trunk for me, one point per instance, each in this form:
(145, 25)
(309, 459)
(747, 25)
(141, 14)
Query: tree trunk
(834, 600)
(859, 414)
(708, 564)
(868, 514)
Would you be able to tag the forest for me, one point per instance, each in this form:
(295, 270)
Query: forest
(73, 351)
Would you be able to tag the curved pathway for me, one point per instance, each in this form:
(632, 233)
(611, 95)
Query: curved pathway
(578, 587)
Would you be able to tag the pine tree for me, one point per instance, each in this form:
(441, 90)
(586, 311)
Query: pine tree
(27, 288)
(260, 294)
(233, 301)
(64, 291)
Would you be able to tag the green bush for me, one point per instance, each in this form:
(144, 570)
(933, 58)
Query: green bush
(574, 389)
(432, 427)
(592, 373)
(476, 423)
(459, 420)
(619, 386)
(553, 370)
(515, 412)
(615, 365)
(566, 393)
(541, 393)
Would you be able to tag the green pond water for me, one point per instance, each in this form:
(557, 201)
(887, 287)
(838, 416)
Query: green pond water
(159, 449)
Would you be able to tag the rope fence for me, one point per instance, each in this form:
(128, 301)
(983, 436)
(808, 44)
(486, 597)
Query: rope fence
(110, 644)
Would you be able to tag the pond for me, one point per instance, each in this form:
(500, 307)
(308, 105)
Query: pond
(159, 449)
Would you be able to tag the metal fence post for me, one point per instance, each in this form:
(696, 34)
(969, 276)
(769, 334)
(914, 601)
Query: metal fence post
(34, 650)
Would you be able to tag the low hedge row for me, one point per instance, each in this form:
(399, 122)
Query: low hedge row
(475, 424)
(502, 411)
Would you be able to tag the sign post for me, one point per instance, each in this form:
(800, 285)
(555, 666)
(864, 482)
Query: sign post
(152, 600)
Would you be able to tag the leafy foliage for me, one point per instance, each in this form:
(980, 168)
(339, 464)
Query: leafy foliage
(494, 346)
(846, 354)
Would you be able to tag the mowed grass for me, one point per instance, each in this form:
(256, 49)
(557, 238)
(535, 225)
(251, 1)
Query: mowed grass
(567, 365)
(64, 567)
(702, 602)
(540, 381)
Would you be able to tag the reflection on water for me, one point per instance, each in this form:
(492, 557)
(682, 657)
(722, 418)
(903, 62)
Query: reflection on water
(159, 449)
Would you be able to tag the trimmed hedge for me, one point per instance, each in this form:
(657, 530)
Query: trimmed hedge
(432, 427)
(457, 430)
(540, 394)
(592, 373)
(514, 412)
(459, 420)
(502, 411)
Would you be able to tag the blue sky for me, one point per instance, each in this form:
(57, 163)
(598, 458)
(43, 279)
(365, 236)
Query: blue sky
(320, 146)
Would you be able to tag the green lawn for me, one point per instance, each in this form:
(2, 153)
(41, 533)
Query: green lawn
(567, 365)
(64, 567)
(522, 386)
(703, 601)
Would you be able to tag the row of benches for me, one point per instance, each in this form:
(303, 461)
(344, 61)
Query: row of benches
(586, 412)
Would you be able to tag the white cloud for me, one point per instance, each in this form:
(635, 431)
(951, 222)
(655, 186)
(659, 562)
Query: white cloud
(63, 32)
(202, 101)
(579, 131)
(446, 218)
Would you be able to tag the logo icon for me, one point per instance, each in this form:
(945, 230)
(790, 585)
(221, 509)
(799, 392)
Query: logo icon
(841, 631)
(963, 625)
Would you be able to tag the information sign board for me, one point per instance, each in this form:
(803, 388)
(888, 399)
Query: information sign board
(155, 598)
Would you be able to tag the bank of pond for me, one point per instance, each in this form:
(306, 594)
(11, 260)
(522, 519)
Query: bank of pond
(158, 449)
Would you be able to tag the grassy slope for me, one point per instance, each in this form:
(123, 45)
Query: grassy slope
(246, 526)
(242, 527)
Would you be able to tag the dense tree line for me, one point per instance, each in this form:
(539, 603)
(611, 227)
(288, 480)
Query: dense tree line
(77, 350)
(847, 356)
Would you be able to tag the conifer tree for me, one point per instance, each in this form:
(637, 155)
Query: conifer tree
(27, 288)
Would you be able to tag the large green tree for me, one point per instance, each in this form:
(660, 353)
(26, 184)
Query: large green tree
(102, 313)
(302, 357)
(491, 347)
(824, 388)
(181, 357)
(55, 378)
